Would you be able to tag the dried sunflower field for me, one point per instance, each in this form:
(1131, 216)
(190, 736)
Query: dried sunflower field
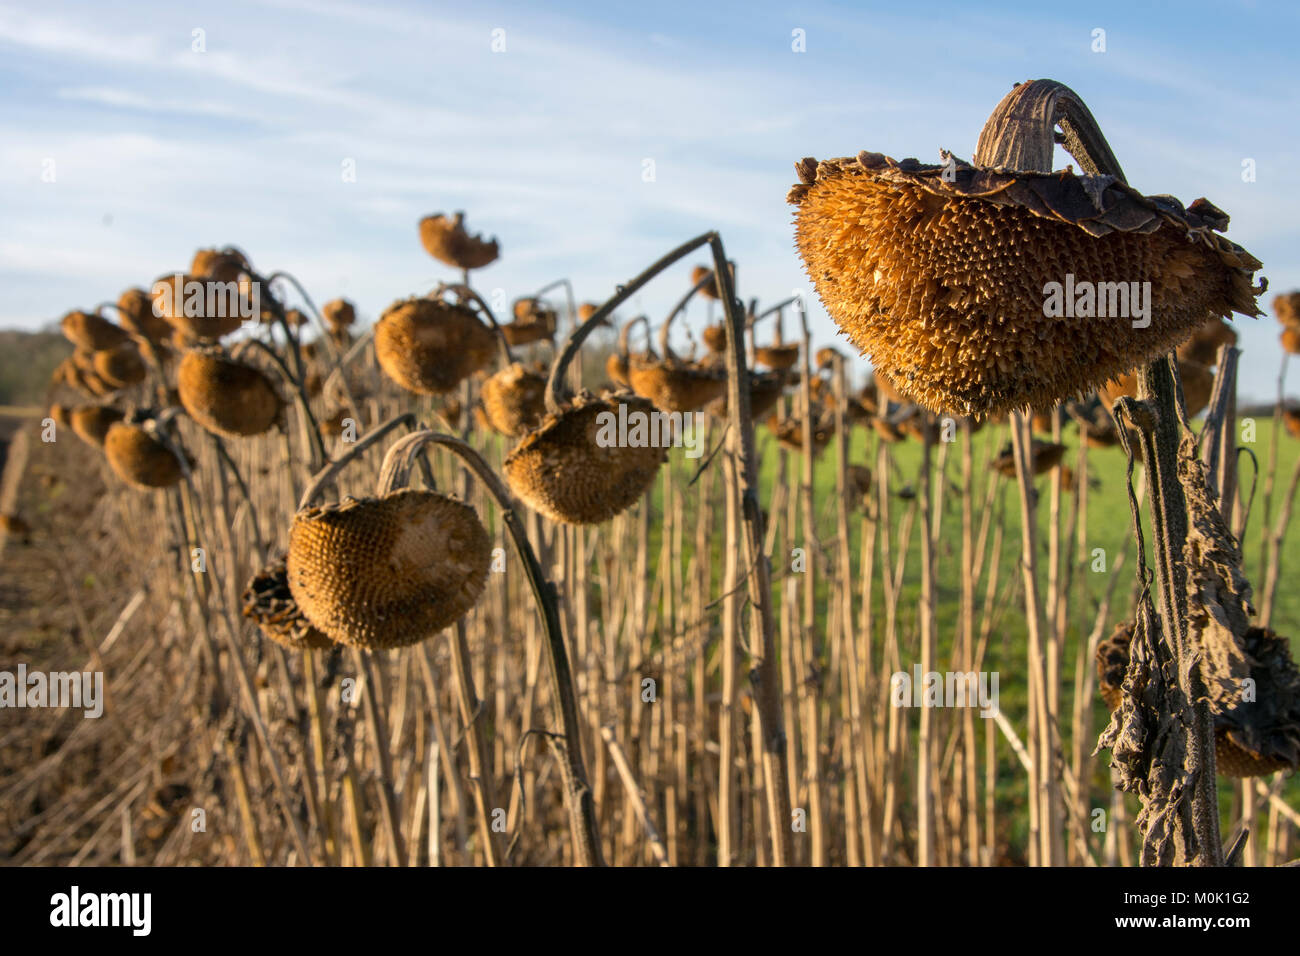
(550, 581)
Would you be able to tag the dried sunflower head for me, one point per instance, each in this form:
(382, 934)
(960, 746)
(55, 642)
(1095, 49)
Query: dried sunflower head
(121, 366)
(534, 322)
(920, 424)
(789, 431)
(1260, 736)
(339, 314)
(887, 430)
(90, 332)
(710, 289)
(136, 309)
(61, 374)
(715, 338)
(333, 423)
(269, 602)
(226, 396)
(673, 385)
(448, 242)
(886, 390)
(1203, 346)
(868, 397)
(1096, 426)
(565, 470)
(90, 423)
(616, 367)
(1041, 422)
(430, 346)
(139, 457)
(514, 399)
(777, 356)
(76, 372)
(1198, 384)
(196, 310)
(1251, 738)
(1291, 340)
(220, 265)
(1046, 456)
(979, 291)
(61, 415)
(765, 389)
(1286, 306)
(389, 571)
(1290, 418)
(1112, 657)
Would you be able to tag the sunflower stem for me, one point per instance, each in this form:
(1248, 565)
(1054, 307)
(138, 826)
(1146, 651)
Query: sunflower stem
(1020, 135)
(568, 744)
(764, 676)
(1157, 385)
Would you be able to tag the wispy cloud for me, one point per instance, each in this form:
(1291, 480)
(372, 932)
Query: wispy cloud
(125, 100)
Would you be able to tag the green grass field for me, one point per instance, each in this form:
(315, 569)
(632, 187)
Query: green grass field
(1109, 530)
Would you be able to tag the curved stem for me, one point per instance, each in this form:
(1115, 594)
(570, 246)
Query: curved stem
(278, 312)
(582, 809)
(330, 346)
(568, 293)
(784, 303)
(625, 335)
(327, 474)
(555, 396)
(1020, 133)
(317, 444)
(340, 368)
(466, 292)
(291, 342)
(779, 310)
(678, 309)
(311, 306)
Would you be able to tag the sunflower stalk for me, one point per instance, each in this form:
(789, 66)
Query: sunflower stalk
(1020, 135)
(764, 675)
(568, 744)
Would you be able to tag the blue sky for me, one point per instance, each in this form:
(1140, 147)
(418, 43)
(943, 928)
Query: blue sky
(159, 149)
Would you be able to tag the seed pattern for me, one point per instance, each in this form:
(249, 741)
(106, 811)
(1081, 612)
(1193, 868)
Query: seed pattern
(942, 283)
(562, 471)
(387, 572)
